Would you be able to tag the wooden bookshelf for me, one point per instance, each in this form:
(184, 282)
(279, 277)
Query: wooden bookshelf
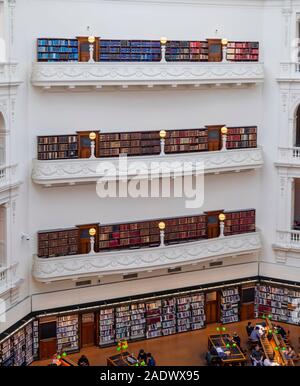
(185, 141)
(242, 51)
(60, 242)
(57, 50)
(129, 50)
(57, 147)
(183, 229)
(67, 333)
(241, 137)
(230, 300)
(214, 50)
(130, 143)
(186, 51)
(237, 222)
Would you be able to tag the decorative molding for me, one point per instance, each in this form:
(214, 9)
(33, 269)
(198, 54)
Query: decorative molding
(9, 75)
(9, 278)
(72, 74)
(87, 170)
(120, 262)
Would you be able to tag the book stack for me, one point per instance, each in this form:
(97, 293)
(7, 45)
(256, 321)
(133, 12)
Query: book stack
(130, 143)
(123, 322)
(186, 51)
(129, 50)
(153, 319)
(130, 235)
(185, 141)
(241, 137)
(281, 304)
(57, 50)
(182, 229)
(67, 332)
(197, 311)
(242, 51)
(138, 321)
(230, 305)
(169, 316)
(183, 314)
(242, 221)
(7, 353)
(106, 326)
(35, 338)
(57, 147)
(58, 243)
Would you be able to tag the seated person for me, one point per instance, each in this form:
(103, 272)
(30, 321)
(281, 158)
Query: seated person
(280, 330)
(83, 361)
(142, 357)
(236, 339)
(150, 360)
(255, 334)
(257, 356)
(290, 353)
(270, 361)
(220, 352)
(249, 328)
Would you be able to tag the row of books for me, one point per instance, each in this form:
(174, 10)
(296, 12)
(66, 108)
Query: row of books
(282, 304)
(142, 233)
(142, 50)
(143, 142)
(67, 332)
(230, 299)
(160, 317)
(21, 348)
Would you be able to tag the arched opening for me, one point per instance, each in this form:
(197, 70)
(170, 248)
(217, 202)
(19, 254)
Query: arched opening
(297, 128)
(2, 140)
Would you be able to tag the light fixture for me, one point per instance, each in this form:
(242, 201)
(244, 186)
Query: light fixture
(163, 134)
(162, 226)
(224, 130)
(91, 39)
(92, 136)
(92, 232)
(163, 40)
(224, 42)
(222, 217)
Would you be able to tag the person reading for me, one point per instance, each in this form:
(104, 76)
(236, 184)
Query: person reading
(257, 356)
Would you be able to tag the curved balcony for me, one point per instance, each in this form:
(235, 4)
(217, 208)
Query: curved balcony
(129, 261)
(288, 157)
(98, 76)
(75, 171)
(9, 75)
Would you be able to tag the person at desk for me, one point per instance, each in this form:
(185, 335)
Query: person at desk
(290, 353)
(142, 357)
(249, 328)
(280, 330)
(236, 339)
(270, 361)
(83, 361)
(255, 335)
(220, 352)
(150, 360)
(257, 356)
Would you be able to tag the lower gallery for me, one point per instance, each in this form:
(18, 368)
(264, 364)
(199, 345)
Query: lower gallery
(179, 328)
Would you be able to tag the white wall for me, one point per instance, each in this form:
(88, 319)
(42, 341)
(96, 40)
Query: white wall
(41, 112)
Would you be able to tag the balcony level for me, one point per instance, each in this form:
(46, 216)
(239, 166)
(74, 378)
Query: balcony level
(74, 159)
(154, 244)
(9, 75)
(288, 157)
(9, 181)
(100, 64)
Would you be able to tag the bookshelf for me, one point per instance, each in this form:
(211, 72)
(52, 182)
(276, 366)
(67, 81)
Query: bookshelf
(29, 344)
(283, 304)
(241, 137)
(57, 50)
(138, 321)
(237, 222)
(181, 229)
(186, 51)
(183, 314)
(123, 322)
(242, 51)
(168, 316)
(35, 336)
(153, 319)
(129, 50)
(185, 141)
(57, 147)
(67, 332)
(106, 326)
(60, 242)
(130, 143)
(230, 299)
(197, 303)
(7, 353)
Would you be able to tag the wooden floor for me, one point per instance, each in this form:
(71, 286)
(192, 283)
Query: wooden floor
(185, 349)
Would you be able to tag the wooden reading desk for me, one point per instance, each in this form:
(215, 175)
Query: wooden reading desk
(67, 362)
(121, 360)
(269, 341)
(236, 357)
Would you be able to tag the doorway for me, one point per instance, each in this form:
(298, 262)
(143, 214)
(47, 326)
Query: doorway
(211, 307)
(213, 227)
(88, 329)
(84, 238)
